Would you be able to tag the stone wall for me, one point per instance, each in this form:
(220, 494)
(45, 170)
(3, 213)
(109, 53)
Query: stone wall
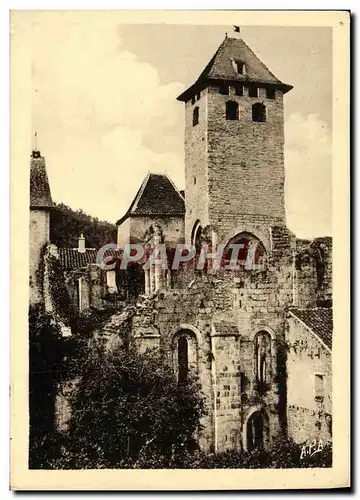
(39, 235)
(308, 419)
(224, 313)
(134, 229)
(196, 165)
(313, 272)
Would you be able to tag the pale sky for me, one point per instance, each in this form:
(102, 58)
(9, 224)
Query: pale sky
(106, 113)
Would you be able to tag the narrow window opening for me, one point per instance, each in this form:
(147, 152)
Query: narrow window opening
(258, 112)
(270, 93)
(224, 89)
(194, 181)
(198, 95)
(193, 100)
(232, 110)
(319, 387)
(239, 90)
(195, 116)
(253, 91)
(262, 354)
(183, 359)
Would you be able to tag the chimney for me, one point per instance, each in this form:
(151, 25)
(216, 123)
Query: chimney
(81, 246)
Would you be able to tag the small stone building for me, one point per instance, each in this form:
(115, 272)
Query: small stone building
(309, 374)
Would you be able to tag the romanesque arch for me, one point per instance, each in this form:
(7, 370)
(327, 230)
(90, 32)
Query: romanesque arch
(184, 348)
(245, 251)
(196, 235)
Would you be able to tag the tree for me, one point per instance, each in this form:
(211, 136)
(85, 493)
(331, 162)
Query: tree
(47, 368)
(129, 410)
(67, 225)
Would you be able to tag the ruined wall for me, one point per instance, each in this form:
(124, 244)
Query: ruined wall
(308, 419)
(313, 272)
(225, 312)
(88, 288)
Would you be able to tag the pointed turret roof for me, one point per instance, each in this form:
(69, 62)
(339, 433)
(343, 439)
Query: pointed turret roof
(222, 67)
(157, 195)
(40, 194)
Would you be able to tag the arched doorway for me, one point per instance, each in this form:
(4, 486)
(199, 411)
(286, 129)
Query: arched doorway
(255, 431)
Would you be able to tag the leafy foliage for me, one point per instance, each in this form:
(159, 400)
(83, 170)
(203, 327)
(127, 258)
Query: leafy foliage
(67, 225)
(59, 293)
(129, 406)
(128, 410)
(283, 454)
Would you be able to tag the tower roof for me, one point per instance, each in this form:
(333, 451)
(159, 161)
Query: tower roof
(221, 67)
(40, 194)
(157, 196)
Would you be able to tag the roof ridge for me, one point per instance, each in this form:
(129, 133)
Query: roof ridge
(139, 193)
(174, 185)
(261, 62)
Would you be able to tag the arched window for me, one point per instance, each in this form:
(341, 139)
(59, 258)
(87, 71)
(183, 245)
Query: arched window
(259, 112)
(245, 252)
(232, 110)
(263, 357)
(195, 116)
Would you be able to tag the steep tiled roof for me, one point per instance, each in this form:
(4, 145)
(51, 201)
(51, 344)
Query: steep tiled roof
(221, 67)
(156, 196)
(40, 195)
(319, 321)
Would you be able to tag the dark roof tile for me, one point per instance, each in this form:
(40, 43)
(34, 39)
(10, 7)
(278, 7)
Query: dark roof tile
(71, 258)
(221, 68)
(319, 321)
(156, 196)
(40, 194)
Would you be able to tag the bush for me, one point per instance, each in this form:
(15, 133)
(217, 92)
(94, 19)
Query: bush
(128, 410)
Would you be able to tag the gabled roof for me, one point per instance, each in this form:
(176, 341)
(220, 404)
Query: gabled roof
(222, 67)
(319, 321)
(157, 196)
(40, 194)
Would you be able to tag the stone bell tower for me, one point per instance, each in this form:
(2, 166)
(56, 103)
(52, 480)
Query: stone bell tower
(234, 144)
